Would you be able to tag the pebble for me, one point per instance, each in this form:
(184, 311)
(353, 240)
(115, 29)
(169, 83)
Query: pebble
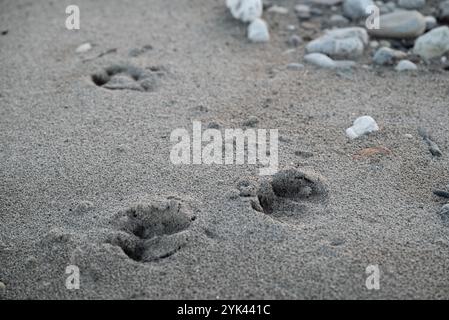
(431, 22)
(385, 43)
(406, 65)
(384, 9)
(303, 11)
(84, 206)
(361, 126)
(245, 10)
(2, 289)
(324, 61)
(387, 56)
(83, 48)
(316, 12)
(443, 14)
(338, 20)
(433, 147)
(444, 211)
(441, 193)
(258, 31)
(348, 48)
(342, 33)
(344, 42)
(303, 153)
(251, 122)
(374, 44)
(327, 2)
(246, 188)
(213, 125)
(319, 60)
(400, 25)
(295, 66)
(277, 9)
(411, 4)
(356, 9)
(433, 44)
(391, 6)
(294, 40)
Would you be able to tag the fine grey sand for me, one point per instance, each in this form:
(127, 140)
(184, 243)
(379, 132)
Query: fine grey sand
(76, 159)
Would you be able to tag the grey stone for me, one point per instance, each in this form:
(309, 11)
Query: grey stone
(251, 122)
(412, 4)
(433, 44)
(385, 43)
(348, 33)
(390, 5)
(324, 61)
(374, 44)
(344, 42)
(384, 10)
(338, 20)
(294, 40)
(443, 14)
(387, 56)
(348, 47)
(356, 9)
(327, 2)
(303, 11)
(431, 22)
(400, 25)
(258, 31)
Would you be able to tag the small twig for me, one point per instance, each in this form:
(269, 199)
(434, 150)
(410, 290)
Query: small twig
(113, 50)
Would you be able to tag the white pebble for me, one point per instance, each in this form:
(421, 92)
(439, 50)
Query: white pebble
(362, 126)
(277, 9)
(320, 60)
(83, 48)
(406, 65)
(323, 61)
(245, 10)
(295, 66)
(258, 31)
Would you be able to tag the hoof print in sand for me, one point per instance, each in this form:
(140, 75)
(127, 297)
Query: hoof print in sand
(127, 77)
(290, 191)
(151, 232)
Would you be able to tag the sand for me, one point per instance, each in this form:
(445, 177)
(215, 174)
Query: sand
(75, 159)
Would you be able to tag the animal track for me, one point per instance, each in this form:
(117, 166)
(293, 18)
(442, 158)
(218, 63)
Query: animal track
(150, 232)
(128, 77)
(290, 191)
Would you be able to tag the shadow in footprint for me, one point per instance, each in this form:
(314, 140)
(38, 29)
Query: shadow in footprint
(289, 192)
(128, 77)
(150, 232)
